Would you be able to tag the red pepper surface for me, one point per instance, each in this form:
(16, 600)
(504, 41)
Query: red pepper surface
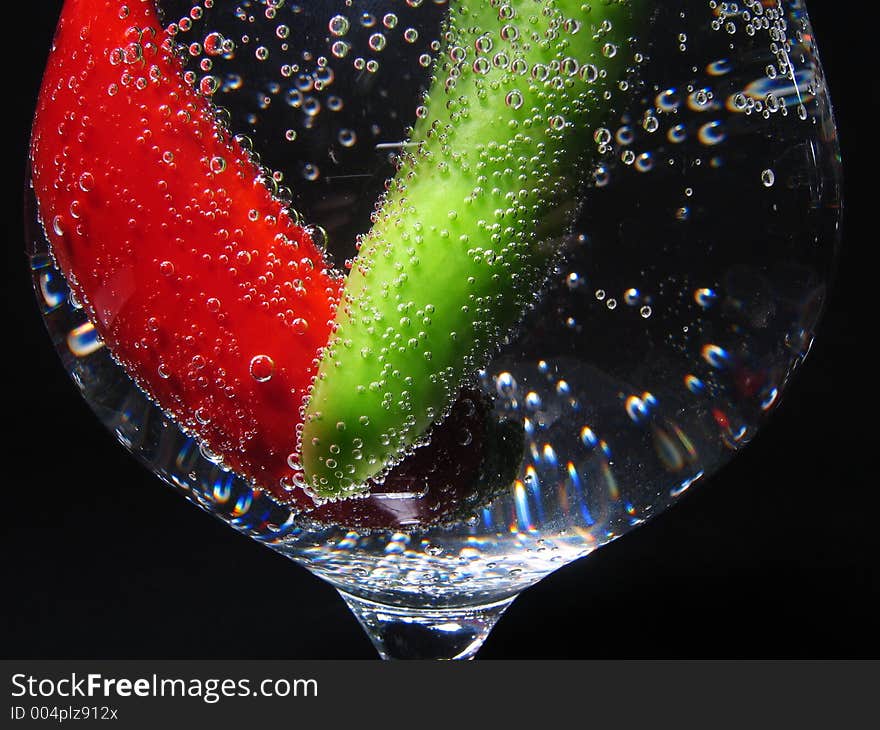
(198, 280)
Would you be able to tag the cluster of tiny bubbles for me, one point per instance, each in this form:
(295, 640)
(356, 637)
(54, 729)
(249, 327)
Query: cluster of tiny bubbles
(634, 298)
(688, 124)
(325, 97)
(287, 74)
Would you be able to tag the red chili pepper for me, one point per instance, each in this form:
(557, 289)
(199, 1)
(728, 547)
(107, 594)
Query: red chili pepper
(199, 281)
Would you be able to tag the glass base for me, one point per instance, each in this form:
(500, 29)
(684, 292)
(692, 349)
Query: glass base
(400, 632)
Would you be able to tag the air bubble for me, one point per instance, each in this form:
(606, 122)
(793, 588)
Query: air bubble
(338, 25)
(261, 368)
(505, 384)
(347, 137)
(86, 182)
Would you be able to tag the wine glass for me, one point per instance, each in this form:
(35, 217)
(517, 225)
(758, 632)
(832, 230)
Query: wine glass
(691, 282)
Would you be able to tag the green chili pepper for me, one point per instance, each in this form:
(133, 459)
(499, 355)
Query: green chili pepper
(471, 224)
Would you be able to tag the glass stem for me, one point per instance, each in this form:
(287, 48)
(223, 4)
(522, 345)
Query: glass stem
(403, 632)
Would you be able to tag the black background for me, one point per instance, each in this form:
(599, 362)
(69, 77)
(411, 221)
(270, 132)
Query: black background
(774, 557)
